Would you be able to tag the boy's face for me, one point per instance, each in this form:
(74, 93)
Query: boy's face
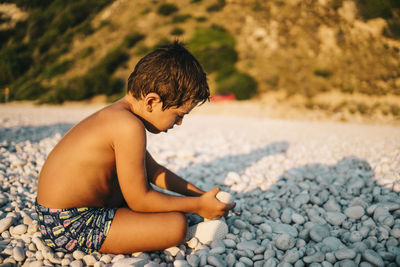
(163, 120)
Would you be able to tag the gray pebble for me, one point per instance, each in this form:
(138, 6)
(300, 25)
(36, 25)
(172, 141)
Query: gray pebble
(297, 218)
(255, 219)
(332, 243)
(240, 264)
(193, 260)
(229, 243)
(291, 256)
(319, 232)
(332, 205)
(217, 250)
(330, 257)
(345, 253)
(346, 263)
(316, 257)
(239, 224)
(230, 259)
(335, 217)
(354, 212)
(251, 245)
(281, 228)
(269, 253)
(355, 236)
(246, 261)
(285, 242)
(286, 216)
(379, 211)
(177, 263)
(372, 257)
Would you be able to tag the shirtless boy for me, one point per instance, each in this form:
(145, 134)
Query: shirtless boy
(94, 191)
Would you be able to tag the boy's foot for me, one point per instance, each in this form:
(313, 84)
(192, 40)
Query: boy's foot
(208, 231)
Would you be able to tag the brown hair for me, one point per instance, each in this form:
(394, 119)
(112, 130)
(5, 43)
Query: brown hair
(173, 73)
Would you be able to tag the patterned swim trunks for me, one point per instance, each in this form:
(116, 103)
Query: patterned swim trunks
(67, 230)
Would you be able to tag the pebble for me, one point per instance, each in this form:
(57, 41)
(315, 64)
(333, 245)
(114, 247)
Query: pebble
(298, 218)
(193, 260)
(332, 243)
(19, 254)
(78, 255)
(372, 257)
(5, 224)
(229, 243)
(177, 263)
(106, 258)
(19, 229)
(239, 224)
(101, 264)
(215, 261)
(285, 242)
(335, 217)
(291, 256)
(77, 263)
(246, 261)
(316, 257)
(251, 245)
(89, 260)
(319, 232)
(354, 212)
(345, 253)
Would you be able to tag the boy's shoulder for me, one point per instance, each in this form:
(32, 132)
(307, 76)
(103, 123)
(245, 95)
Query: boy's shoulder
(120, 120)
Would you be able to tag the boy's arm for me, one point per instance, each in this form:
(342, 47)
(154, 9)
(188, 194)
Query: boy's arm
(164, 178)
(129, 143)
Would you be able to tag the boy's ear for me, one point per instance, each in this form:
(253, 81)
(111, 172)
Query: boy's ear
(150, 100)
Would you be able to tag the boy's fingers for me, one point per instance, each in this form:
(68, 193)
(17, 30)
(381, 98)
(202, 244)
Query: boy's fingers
(229, 206)
(215, 190)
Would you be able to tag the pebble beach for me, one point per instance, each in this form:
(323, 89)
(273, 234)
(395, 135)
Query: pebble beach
(307, 193)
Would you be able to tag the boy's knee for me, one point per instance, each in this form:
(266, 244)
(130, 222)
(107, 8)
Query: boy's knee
(181, 226)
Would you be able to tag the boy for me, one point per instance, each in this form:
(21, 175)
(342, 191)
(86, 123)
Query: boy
(94, 189)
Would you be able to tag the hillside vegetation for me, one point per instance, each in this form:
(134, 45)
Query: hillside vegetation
(53, 51)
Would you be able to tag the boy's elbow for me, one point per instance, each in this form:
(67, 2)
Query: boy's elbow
(140, 203)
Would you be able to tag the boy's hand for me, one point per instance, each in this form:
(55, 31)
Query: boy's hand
(211, 207)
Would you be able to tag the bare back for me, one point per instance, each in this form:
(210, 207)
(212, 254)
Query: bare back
(80, 171)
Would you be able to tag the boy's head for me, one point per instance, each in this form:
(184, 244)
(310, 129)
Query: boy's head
(173, 73)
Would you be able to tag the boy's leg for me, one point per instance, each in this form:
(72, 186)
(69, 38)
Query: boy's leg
(134, 231)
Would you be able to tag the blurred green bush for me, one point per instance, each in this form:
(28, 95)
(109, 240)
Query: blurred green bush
(177, 31)
(214, 47)
(181, 18)
(50, 28)
(97, 80)
(217, 6)
(167, 9)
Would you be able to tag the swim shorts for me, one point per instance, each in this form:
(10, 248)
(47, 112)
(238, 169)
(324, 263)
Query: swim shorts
(67, 230)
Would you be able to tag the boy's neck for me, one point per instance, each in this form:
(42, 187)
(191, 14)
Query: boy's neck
(134, 105)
